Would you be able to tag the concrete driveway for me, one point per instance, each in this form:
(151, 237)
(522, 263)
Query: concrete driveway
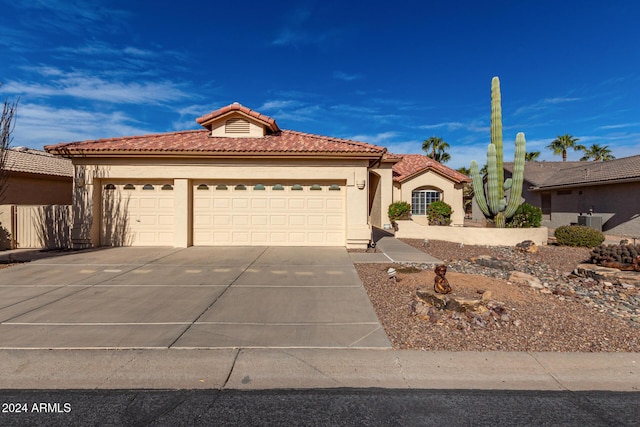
(199, 297)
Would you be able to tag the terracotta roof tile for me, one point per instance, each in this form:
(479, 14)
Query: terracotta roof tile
(282, 142)
(28, 160)
(412, 164)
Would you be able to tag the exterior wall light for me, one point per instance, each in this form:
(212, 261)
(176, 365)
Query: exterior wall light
(360, 184)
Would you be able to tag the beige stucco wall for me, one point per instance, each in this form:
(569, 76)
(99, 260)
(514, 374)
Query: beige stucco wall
(451, 192)
(32, 189)
(472, 235)
(348, 173)
(386, 193)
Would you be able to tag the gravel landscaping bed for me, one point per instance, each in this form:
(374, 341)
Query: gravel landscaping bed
(566, 313)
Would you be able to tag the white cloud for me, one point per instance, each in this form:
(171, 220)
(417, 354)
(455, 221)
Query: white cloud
(39, 125)
(340, 75)
(277, 104)
(85, 86)
(445, 125)
(544, 104)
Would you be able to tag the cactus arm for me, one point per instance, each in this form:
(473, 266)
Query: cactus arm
(478, 189)
(493, 186)
(496, 130)
(507, 184)
(518, 176)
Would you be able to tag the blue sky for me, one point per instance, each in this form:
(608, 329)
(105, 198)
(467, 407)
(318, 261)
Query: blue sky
(386, 73)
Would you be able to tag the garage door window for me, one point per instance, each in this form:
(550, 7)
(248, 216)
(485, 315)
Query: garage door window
(167, 187)
(203, 187)
(129, 187)
(278, 187)
(148, 187)
(109, 187)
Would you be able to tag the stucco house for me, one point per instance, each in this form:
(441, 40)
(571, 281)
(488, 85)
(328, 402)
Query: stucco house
(241, 180)
(566, 190)
(35, 177)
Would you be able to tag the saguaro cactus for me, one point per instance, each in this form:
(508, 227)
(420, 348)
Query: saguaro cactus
(492, 201)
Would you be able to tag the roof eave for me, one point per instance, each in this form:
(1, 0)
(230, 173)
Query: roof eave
(586, 184)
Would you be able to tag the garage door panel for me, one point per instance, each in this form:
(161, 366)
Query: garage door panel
(296, 204)
(296, 220)
(259, 203)
(222, 203)
(240, 203)
(315, 220)
(315, 204)
(278, 203)
(268, 216)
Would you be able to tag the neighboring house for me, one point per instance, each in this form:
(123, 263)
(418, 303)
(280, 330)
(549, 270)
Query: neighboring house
(566, 190)
(35, 177)
(34, 199)
(240, 181)
(421, 180)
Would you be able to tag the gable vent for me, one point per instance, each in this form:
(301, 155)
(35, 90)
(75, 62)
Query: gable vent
(236, 126)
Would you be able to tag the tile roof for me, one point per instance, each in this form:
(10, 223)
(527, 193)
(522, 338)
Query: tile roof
(28, 160)
(536, 173)
(596, 173)
(201, 141)
(412, 164)
(554, 174)
(236, 107)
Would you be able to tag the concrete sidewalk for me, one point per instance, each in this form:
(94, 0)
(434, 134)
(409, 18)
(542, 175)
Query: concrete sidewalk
(256, 369)
(393, 250)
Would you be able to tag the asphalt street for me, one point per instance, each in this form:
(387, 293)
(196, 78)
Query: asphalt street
(323, 407)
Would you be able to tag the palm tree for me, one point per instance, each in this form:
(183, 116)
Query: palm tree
(436, 148)
(464, 170)
(531, 156)
(597, 153)
(562, 143)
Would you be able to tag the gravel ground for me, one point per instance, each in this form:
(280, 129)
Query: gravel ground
(568, 314)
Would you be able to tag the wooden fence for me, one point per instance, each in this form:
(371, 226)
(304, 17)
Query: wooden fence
(41, 227)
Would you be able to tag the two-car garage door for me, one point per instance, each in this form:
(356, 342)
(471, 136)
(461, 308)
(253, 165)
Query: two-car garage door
(228, 213)
(225, 213)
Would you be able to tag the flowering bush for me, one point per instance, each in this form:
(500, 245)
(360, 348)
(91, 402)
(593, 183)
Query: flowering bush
(399, 210)
(526, 216)
(439, 213)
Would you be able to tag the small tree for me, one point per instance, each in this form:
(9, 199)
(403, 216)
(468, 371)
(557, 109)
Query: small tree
(6, 128)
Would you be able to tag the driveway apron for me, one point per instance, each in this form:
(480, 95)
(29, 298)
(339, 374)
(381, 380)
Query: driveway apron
(198, 297)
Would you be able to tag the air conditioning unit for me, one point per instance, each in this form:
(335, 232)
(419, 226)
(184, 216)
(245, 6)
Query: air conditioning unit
(591, 221)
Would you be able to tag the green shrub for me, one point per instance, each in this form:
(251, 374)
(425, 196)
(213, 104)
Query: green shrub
(526, 216)
(578, 235)
(399, 210)
(439, 213)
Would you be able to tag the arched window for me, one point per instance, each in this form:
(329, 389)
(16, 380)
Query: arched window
(421, 199)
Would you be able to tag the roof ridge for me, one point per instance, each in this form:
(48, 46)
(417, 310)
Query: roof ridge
(116, 138)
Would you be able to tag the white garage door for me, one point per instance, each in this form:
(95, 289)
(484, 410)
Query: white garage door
(277, 214)
(137, 213)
